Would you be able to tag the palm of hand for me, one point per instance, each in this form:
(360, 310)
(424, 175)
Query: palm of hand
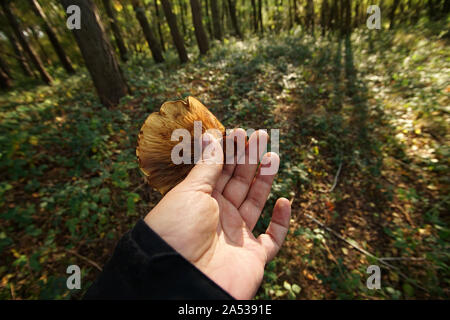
(209, 218)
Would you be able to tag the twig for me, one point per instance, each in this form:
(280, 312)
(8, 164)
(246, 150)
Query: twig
(401, 258)
(336, 177)
(367, 253)
(139, 187)
(95, 264)
(13, 295)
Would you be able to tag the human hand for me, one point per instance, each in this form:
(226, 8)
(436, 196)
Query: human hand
(209, 217)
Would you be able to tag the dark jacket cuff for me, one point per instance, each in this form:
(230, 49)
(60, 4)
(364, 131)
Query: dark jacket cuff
(144, 266)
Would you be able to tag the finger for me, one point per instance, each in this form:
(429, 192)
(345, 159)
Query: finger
(237, 188)
(234, 148)
(278, 228)
(206, 172)
(259, 191)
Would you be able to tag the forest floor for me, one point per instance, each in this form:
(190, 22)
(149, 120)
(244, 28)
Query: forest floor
(363, 144)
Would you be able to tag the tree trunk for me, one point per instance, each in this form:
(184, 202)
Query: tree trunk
(356, 20)
(260, 17)
(5, 79)
(208, 19)
(34, 31)
(334, 15)
(296, 17)
(23, 41)
(177, 39)
(115, 29)
(254, 16)
(51, 34)
(310, 15)
(324, 18)
(392, 13)
(19, 54)
(148, 33)
(216, 20)
(348, 16)
(234, 20)
(182, 14)
(4, 66)
(158, 18)
(98, 54)
(200, 34)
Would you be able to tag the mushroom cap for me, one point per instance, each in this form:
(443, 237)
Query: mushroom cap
(155, 146)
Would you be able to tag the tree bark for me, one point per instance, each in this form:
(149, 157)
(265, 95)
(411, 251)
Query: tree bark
(208, 19)
(254, 16)
(5, 79)
(33, 30)
(51, 34)
(216, 20)
(200, 35)
(23, 41)
(310, 15)
(158, 18)
(234, 20)
(4, 66)
(98, 54)
(148, 33)
(356, 20)
(19, 54)
(260, 17)
(324, 17)
(183, 22)
(115, 29)
(177, 39)
(392, 14)
(348, 16)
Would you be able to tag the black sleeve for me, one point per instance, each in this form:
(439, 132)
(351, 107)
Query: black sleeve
(144, 266)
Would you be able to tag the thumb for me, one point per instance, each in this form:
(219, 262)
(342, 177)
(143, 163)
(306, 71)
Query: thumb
(206, 172)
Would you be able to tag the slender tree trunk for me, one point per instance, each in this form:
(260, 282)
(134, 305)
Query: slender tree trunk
(148, 33)
(200, 35)
(183, 22)
(341, 16)
(348, 17)
(177, 39)
(33, 30)
(310, 15)
(19, 55)
(115, 29)
(296, 17)
(208, 19)
(291, 17)
(51, 34)
(334, 15)
(216, 20)
(431, 9)
(5, 79)
(158, 18)
(23, 41)
(324, 17)
(98, 54)
(356, 20)
(260, 17)
(254, 16)
(234, 20)
(392, 13)
(4, 66)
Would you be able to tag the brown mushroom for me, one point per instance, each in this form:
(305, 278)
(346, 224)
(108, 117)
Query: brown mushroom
(155, 145)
